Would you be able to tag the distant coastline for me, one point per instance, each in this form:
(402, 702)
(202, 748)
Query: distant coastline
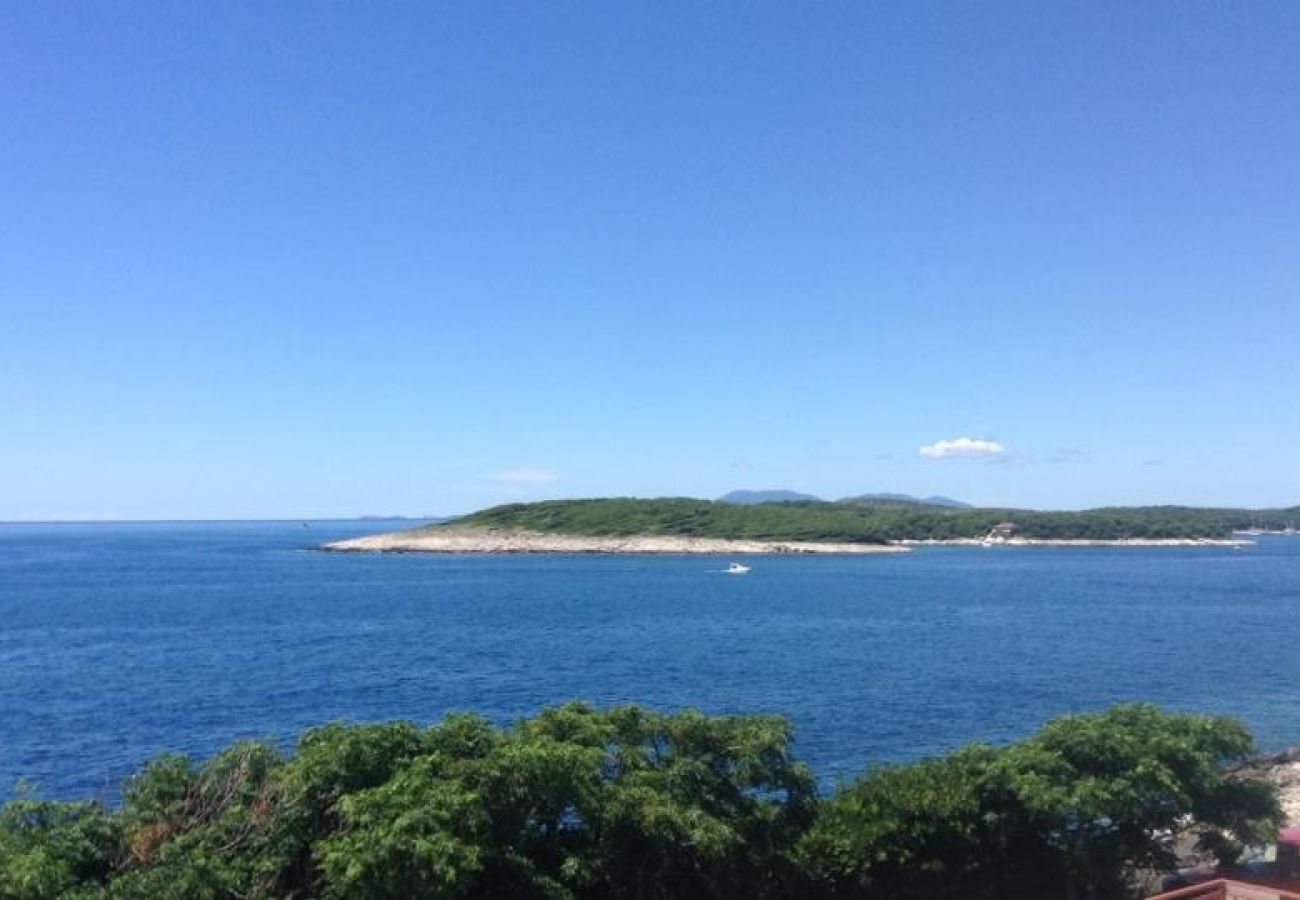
(487, 540)
(1076, 542)
(452, 539)
(852, 526)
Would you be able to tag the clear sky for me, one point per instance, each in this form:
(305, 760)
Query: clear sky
(318, 259)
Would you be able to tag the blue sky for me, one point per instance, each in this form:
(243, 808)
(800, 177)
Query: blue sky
(264, 260)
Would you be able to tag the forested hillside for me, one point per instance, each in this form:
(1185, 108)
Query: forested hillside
(870, 521)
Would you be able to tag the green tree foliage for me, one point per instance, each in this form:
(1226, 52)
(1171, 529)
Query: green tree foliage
(1072, 812)
(932, 829)
(623, 517)
(583, 803)
(1108, 791)
(52, 849)
(861, 522)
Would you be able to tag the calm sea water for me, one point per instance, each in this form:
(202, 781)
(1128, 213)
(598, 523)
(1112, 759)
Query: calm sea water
(118, 641)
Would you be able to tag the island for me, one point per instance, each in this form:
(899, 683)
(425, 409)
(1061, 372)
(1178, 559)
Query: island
(854, 525)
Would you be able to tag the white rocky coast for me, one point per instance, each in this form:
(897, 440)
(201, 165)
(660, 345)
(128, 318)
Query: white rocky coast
(484, 540)
(1075, 542)
(494, 540)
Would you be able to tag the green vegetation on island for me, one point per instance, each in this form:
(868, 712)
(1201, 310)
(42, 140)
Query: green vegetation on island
(629, 803)
(871, 521)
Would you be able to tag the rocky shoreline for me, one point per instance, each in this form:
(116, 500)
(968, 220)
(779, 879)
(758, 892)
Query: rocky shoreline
(1074, 542)
(1282, 770)
(490, 540)
(467, 540)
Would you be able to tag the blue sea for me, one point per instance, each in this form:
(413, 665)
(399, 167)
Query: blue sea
(118, 641)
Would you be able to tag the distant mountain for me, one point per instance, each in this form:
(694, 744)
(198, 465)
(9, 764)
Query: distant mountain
(749, 498)
(908, 499)
(883, 498)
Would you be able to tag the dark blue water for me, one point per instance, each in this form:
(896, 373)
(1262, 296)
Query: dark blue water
(121, 640)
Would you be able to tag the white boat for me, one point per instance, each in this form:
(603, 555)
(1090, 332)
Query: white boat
(737, 569)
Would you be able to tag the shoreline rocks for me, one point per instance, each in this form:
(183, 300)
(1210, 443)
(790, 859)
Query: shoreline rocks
(1282, 770)
(489, 540)
(1073, 542)
(465, 540)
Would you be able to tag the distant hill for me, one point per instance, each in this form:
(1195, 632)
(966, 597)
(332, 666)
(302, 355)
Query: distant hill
(883, 498)
(748, 498)
(886, 498)
(867, 522)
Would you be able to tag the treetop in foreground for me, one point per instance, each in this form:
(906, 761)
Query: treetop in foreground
(582, 803)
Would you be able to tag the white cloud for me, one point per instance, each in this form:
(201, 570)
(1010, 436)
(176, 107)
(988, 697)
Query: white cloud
(962, 446)
(526, 476)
